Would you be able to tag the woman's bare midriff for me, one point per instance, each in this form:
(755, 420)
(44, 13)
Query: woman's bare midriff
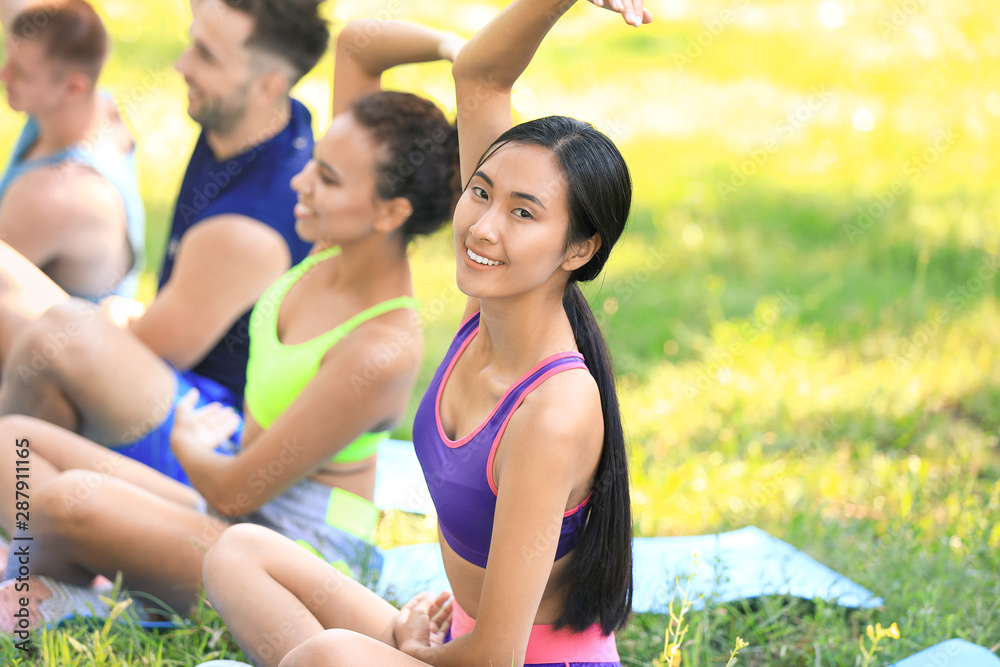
(467, 585)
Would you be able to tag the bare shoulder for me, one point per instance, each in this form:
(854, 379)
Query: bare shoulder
(569, 399)
(565, 413)
(65, 192)
(396, 333)
(385, 349)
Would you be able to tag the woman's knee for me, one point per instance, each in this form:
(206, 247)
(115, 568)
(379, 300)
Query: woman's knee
(330, 648)
(233, 551)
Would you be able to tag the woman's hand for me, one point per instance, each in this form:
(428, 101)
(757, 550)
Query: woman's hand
(423, 622)
(201, 429)
(631, 10)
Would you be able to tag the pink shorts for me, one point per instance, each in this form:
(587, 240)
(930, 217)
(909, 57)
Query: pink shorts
(551, 648)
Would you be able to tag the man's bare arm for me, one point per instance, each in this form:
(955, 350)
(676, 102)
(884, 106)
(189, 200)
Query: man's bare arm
(223, 266)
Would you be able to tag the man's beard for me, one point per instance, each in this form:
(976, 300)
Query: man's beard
(221, 117)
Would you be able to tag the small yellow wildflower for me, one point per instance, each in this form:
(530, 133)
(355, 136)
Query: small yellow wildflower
(672, 655)
(875, 634)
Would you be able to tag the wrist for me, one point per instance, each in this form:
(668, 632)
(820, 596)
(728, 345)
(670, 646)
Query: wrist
(415, 649)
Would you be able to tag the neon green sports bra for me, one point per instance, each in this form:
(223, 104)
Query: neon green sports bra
(277, 373)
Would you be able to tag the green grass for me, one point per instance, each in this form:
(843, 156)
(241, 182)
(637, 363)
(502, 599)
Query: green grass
(855, 417)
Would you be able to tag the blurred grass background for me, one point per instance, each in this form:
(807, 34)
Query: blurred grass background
(803, 313)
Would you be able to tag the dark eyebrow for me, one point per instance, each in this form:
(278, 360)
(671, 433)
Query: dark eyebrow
(531, 198)
(489, 181)
(515, 195)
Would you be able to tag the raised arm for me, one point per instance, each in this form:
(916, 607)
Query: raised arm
(368, 47)
(487, 67)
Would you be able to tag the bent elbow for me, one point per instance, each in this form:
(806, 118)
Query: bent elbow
(348, 36)
(231, 504)
(468, 70)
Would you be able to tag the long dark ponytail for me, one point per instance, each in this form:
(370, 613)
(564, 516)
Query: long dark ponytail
(599, 577)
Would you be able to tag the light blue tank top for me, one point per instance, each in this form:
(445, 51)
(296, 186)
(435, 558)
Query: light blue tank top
(118, 169)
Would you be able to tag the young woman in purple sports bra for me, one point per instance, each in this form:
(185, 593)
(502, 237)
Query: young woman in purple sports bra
(519, 434)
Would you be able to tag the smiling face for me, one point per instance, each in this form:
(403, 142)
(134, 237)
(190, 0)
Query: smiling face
(217, 66)
(511, 225)
(336, 189)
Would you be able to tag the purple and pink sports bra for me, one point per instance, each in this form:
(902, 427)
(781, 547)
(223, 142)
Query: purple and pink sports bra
(459, 473)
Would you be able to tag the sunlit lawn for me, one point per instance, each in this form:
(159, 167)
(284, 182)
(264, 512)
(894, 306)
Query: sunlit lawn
(804, 313)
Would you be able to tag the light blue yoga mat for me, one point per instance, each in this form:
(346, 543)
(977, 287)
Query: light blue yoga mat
(951, 653)
(741, 564)
(399, 483)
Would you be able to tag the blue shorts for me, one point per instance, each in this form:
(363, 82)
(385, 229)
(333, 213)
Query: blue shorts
(153, 449)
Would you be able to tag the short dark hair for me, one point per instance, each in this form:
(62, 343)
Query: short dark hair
(292, 30)
(70, 31)
(417, 156)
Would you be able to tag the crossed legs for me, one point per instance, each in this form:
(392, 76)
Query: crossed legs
(314, 615)
(94, 511)
(72, 367)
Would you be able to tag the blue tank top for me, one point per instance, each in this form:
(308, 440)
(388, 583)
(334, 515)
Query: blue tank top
(255, 184)
(459, 473)
(113, 166)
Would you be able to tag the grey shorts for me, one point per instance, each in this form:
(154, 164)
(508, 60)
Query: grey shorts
(332, 523)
